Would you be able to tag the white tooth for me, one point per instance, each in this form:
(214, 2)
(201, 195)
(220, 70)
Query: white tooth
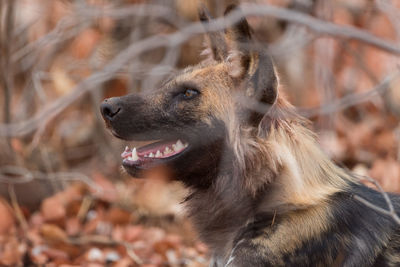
(185, 145)
(151, 155)
(126, 148)
(159, 154)
(134, 155)
(179, 145)
(167, 150)
(130, 158)
(174, 147)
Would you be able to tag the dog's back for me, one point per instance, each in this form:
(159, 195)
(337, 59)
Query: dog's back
(339, 232)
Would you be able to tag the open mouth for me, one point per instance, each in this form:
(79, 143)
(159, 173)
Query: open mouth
(153, 154)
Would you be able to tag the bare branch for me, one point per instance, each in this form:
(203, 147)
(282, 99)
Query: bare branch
(6, 81)
(397, 133)
(392, 12)
(320, 26)
(17, 209)
(351, 99)
(328, 108)
(18, 175)
(96, 79)
(378, 209)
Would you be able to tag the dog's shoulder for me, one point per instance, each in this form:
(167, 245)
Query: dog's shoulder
(340, 232)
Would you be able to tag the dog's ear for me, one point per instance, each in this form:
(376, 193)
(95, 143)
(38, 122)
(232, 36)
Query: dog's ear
(216, 47)
(252, 66)
(247, 64)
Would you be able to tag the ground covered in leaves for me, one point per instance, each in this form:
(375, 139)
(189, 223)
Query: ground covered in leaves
(83, 226)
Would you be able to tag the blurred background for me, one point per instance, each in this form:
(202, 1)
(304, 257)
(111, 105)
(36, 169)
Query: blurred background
(63, 196)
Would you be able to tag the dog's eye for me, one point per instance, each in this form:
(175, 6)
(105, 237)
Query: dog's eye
(190, 93)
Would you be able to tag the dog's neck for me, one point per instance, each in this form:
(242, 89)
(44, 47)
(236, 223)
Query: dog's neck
(277, 171)
(286, 157)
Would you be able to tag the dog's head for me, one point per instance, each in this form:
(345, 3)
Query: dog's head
(192, 117)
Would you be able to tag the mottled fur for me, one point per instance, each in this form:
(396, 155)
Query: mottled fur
(262, 193)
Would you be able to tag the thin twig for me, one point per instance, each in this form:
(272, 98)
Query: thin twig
(19, 175)
(378, 209)
(18, 212)
(351, 99)
(5, 63)
(397, 133)
(323, 64)
(132, 254)
(390, 212)
(392, 12)
(337, 105)
(320, 26)
(84, 208)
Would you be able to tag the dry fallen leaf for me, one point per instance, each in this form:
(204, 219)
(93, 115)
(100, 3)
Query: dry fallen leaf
(53, 234)
(7, 217)
(387, 173)
(109, 192)
(117, 215)
(53, 208)
(11, 253)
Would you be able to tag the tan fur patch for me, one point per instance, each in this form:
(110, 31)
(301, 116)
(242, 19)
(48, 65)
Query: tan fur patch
(306, 175)
(215, 90)
(297, 227)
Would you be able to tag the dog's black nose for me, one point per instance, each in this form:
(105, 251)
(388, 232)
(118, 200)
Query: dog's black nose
(109, 109)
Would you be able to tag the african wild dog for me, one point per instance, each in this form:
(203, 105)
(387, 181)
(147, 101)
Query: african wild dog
(262, 193)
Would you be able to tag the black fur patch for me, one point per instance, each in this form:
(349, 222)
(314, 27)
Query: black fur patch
(356, 236)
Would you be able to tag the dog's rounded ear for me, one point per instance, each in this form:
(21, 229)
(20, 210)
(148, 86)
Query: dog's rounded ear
(251, 66)
(216, 47)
